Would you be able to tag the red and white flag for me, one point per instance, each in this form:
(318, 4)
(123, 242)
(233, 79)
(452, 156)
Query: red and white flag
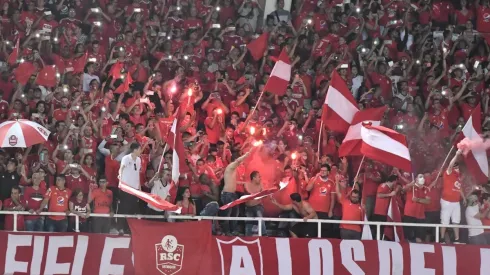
(476, 159)
(366, 230)
(351, 146)
(340, 107)
(394, 233)
(386, 146)
(245, 198)
(280, 76)
(153, 199)
(175, 142)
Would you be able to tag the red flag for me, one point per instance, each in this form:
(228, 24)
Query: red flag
(14, 54)
(258, 46)
(245, 198)
(175, 142)
(24, 72)
(280, 76)
(386, 146)
(47, 76)
(79, 63)
(153, 199)
(340, 107)
(351, 146)
(124, 87)
(476, 160)
(394, 233)
(116, 69)
(171, 248)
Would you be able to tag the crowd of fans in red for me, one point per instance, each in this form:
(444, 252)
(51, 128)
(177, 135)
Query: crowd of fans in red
(426, 60)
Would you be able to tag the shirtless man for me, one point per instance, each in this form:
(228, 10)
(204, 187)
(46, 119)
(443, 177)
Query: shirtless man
(254, 208)
(304, 209)
(229, 195)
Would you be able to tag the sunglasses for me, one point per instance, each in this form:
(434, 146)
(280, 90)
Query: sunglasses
(135, 169)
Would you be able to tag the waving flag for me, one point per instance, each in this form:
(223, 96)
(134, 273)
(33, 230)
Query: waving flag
(340, 107)
(386, 146)
(124, 87)
(258, 46)
(116, 69)
(476, 159)
(14, 54)
(175, 142)
(280, 76)
(24, 72)
(153, 199)
(351, 146)
(47, 76)
(245, 198)
(79, 63)
(393, 232)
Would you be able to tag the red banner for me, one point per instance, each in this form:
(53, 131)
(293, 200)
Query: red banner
(103, 254)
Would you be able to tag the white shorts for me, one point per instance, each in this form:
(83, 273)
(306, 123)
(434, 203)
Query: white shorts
(450, 212)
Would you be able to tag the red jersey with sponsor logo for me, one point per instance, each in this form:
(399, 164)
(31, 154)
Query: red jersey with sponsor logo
(451, 190)
(58, 201)
(321, 195)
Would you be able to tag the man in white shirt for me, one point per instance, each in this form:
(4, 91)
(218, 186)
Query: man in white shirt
(474, 217)
(160, 186)
(129, 174)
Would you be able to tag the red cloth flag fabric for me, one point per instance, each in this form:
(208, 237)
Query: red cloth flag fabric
(386, 146)
(124, 87)
(245, 198)
(12, 60)
(24, 72)
(258, 46)
(79, 63)
(476, 160)
(280, 76)
(116, 69)
(340, 107)
(47, 76)
(351, 146)
(153, 199)
(394, 233)
(175, 142)
(171, 248)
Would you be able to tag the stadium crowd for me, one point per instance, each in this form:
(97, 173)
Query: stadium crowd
(108, 78)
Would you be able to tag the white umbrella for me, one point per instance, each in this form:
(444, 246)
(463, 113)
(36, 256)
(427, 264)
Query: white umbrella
(22, 133)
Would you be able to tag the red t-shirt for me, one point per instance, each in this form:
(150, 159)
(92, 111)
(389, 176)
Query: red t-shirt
(79, 182)
(34, 199)
(112, 171)
(213, 133)
(58, 201)
(102, 201)
(415, 209)
(452, 187)
(382, 204)
(9, 219)
(351, 212)
(321, 195)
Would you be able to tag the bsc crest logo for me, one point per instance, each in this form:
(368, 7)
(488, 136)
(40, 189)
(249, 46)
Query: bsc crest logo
(169, 255)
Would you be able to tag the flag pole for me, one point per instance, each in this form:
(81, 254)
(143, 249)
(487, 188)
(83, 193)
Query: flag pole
(444, 163)
(255, 108)
(320, 139)
(358, 170)
(161, 159)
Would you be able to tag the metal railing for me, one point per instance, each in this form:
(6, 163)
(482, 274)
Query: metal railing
(255, 219)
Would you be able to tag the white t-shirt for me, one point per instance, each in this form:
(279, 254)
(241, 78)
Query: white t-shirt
(131, 172)
(471, 211)
(86, 81)
(159, 190)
